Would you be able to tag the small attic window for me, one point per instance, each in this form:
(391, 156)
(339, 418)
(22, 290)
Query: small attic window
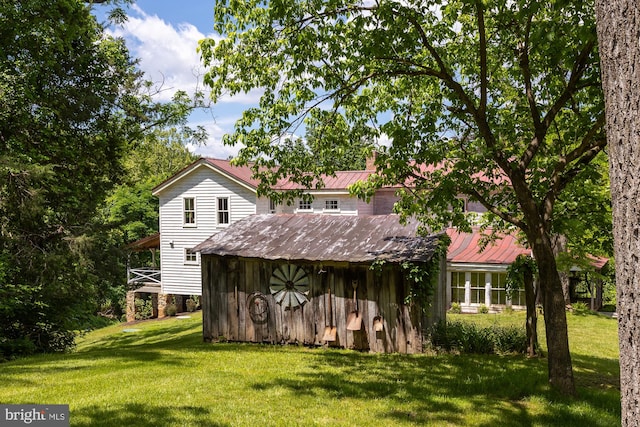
(304, 205)
(331, 205)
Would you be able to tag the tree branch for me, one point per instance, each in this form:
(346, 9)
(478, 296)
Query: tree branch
(483, 61)
(589, 147)
(494, 210)
(572, 86)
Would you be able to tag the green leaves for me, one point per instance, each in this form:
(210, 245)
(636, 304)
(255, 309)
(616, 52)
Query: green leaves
(504, 93)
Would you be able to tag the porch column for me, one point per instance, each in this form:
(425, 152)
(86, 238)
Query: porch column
(162, 303)
(131, 306)
(467, 288)
(487, 289)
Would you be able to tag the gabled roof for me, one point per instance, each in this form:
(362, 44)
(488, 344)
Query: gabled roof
(337, 238)
(465, 248)
(240, 174)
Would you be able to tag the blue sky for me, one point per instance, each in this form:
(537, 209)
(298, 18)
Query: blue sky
(164, 35)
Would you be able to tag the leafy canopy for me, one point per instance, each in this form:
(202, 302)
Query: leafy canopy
(72, 104)
(502, 97)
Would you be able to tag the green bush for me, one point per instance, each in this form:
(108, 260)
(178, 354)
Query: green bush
(580, 309)
(170, 310)
(144, 308)
(467, 337)
(455, 308)
(483, 309)
(193, 303)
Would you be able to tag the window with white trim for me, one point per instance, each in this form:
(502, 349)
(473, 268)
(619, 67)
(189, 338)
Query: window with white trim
(457, 286)
(331, 205)
(477, 288)
(190, 256)
(518, 297)
(304, 205)
(189, 211)
(223, 210)
(272, 206)
(498, 288)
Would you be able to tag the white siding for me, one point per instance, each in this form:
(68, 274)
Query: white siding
(205, 185)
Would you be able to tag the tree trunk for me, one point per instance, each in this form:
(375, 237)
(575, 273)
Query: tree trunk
(555, 319)
(618, 25)
(560, 246)
(531, 294)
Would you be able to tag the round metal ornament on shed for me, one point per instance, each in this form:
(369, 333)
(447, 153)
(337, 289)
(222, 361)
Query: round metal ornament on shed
(289, 285)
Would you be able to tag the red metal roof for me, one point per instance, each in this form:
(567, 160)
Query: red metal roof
(341, 181)
(465, 248)
(242, 173)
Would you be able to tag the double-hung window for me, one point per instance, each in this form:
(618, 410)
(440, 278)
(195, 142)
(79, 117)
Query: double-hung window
(304, 205)
(223, 210)
(190, 257)
(189, 212)
(477, 288)
(498, 288)
(331, 205)
(457, 286)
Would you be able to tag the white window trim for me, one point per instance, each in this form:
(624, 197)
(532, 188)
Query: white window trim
(337, 210)
(190, 262)
(218, 223)
(195, 212)
(298, 209)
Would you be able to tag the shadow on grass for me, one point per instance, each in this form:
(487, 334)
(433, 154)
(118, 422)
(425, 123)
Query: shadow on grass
(422, 389)
(445, 389)
(132, 414)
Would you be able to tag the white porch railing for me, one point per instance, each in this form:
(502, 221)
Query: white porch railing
(143, 275)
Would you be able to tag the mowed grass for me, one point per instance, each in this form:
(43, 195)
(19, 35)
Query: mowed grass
(164, 375)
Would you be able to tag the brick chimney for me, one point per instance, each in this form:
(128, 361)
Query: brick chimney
(371, 161)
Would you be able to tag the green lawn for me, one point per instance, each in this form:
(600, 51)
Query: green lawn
(164, 375)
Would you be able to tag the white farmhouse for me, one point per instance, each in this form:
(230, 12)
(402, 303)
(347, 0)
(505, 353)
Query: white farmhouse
(211, 194)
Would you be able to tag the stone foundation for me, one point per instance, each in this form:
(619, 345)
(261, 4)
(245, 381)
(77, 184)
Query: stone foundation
(131, 306)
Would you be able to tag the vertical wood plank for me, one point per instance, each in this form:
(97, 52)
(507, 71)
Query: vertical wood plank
(206, 298)
(402, 331)
(372, 310)
(232, 301)
(264, 276)
(337, 286)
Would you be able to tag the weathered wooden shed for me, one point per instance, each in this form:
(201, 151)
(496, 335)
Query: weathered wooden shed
(308, 279)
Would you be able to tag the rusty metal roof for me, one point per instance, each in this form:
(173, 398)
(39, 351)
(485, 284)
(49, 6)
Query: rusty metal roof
(338, 238)
(466, 248)
(149, 242)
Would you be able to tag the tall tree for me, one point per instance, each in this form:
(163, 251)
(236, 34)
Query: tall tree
(71, 104)
(499, 100)
(619, 42)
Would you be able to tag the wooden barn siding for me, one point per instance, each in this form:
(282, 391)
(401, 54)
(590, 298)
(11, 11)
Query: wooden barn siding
(228, 283)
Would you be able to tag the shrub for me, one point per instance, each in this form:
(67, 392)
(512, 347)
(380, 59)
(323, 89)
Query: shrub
(483, 309)
(580, 308)
(509, 339)
(192, 303)
(508, 310)
(144, 308)
(455, 308)
(170, 310)
(468, 338)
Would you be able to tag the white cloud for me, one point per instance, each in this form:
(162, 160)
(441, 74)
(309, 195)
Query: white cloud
(167, 53)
